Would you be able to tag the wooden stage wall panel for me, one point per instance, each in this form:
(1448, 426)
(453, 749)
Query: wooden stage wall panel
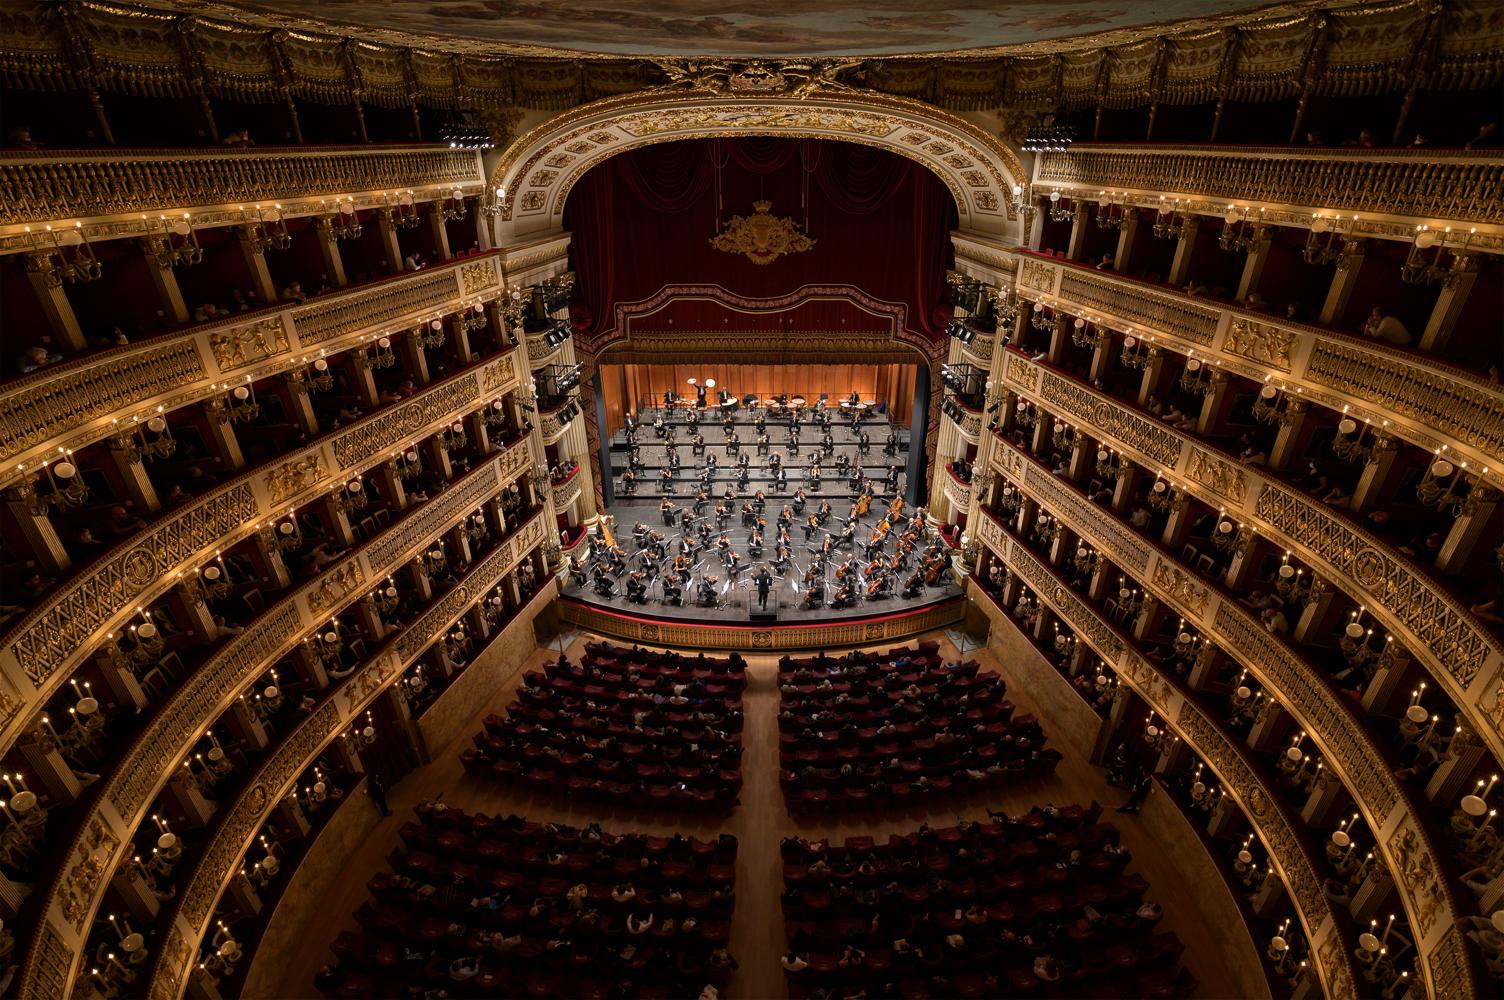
(627, 385)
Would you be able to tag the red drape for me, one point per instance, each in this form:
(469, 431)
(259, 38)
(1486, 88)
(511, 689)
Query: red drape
(643, 220)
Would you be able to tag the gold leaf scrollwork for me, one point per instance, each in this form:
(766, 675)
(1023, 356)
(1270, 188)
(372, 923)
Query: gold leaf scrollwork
(1219, 476)
(477, 277)
(292, 477)
(334, 586)
(243, 345)
(761, 237)
(1259, 342)
(1181, 587)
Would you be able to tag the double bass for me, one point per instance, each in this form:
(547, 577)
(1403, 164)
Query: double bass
(934, 570)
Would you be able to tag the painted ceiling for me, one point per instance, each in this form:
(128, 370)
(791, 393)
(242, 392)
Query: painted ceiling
(766, 28)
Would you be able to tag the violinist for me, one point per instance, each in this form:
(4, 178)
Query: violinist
(637, 587)
(666, 508)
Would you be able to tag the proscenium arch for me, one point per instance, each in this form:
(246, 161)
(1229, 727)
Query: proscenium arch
(533, 177)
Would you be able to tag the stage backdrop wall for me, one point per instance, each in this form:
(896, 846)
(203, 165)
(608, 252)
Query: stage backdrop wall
(644, 219)
(625, 386)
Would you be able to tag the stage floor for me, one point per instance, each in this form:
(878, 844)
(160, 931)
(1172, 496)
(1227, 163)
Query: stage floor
(737, 600)
(833, 484)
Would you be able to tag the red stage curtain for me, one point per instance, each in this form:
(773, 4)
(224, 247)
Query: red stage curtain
(643, 220)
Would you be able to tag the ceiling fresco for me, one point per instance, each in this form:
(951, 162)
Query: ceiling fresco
(754, 27)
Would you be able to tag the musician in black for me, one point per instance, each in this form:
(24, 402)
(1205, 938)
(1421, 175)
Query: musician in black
(764, 581)
(666, 508)
(637, 587)
(707, 591)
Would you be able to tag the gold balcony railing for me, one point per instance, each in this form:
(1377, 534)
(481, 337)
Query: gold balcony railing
(1333, 724)
(1457, 650)
(1428, 403)
(38, 654)
(1289, 852)
(104, 833)
(272, 781)
(1392, 190)
(109, 192)
(74, 403)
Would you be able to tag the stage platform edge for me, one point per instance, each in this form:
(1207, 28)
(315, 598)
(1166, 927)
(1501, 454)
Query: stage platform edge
(794, 634)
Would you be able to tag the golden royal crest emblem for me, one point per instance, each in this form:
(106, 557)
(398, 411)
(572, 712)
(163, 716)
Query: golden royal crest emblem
(761, 236)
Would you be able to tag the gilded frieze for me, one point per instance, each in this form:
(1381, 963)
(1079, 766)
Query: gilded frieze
(291, 478)
(238, 346)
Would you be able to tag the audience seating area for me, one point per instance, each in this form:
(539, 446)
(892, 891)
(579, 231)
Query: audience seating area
(1034, 905)
(483, 907)
(630, 726)
(882, 730)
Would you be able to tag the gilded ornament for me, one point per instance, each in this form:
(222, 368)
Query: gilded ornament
(239, 346)
(293, 477)
(762, 237)
(335, 586)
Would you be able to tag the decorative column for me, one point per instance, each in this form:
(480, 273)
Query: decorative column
(164, 280)
(1213, 403)
(1253, 266)
(40, 537)
(267, 555)
(1185, 248)
(1153, 371)
(363, 381)
(1125, 238)
(1468, 528)
(334, 264)
(220, 431)
(1101, 356)
(301, 409)
(1344, 280)
(48, 285)
(1079, 219)
(255, 263)
(132, 470)
(1127, 484)
(389, 243)
(1377, 467)
(413, 355)
(440, 231)
(1455, 288)
(390, 484)
(1290, 439)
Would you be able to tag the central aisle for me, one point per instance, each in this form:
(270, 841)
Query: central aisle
(759, 823)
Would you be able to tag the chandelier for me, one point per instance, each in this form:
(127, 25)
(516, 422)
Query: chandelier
(1364, 447)
(262, 236)
(1111, 213)
(1197, 377)
(174, 243)
(345, 223)
(349, 497)
(432, 335)
(134, 445)
(473, 318)
(383, 356)
(1167, 224)
(62, 255)
(1443, 485)
(1239, 235)
(1337, 247)
(453, 208)
(1273, 407)
(242, 405)
(1134, 355)
(1059, 213)
(403, 211)
(1418, 271)
(1083, 334)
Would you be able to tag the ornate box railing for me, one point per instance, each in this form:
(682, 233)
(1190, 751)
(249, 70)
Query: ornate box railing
(1458, 651)
(567, 492)
(219, 861)
(958, 493)
(74, 403)
(1394, 189)
(1427, 402)
(1289, 852)
(109, 192)
(1333, 724)
(143, 770)
(38, 654)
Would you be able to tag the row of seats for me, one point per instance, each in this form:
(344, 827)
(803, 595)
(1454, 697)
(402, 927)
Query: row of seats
(477, 906)
(625, 726)
(1034, 905)
(882, 730)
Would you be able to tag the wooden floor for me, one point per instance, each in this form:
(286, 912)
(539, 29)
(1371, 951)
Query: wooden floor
(759, 823)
